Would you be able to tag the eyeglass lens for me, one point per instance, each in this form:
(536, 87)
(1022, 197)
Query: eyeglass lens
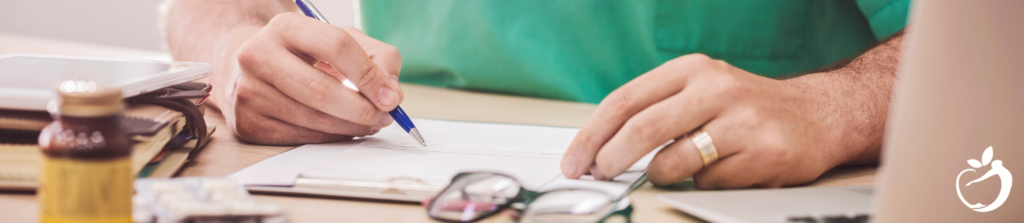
(473, 196)
(569, 206)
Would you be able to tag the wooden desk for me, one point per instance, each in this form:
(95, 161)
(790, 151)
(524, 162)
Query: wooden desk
(226, 154)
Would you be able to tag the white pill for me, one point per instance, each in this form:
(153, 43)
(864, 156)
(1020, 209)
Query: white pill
(207, 209)
(163, 186)
(138, 200)
(228, 197)
(220, 185)
(179, 208)
(141, 215)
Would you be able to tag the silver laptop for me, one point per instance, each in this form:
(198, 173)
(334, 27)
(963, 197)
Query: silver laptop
(955, 133)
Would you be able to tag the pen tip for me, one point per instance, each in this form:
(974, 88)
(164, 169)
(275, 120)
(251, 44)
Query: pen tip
(416, 135)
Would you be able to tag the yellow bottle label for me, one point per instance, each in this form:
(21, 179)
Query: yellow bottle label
(79, 191)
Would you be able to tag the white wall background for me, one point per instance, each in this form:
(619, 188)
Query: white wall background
(126, 23)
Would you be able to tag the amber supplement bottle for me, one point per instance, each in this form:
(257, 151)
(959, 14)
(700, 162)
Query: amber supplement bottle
(86, 169)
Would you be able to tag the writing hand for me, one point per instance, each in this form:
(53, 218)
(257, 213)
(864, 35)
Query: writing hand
(286, 84)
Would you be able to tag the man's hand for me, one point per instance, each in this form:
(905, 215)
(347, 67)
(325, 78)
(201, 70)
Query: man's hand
(288, 86)
(278, 75)
(769, 133)
(766, 132)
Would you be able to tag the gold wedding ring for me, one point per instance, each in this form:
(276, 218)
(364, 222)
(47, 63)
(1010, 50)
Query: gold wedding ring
(708, 152)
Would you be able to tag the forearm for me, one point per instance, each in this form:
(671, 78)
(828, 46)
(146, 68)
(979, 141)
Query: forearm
(855, 101)
(211, 30)
(195, 28)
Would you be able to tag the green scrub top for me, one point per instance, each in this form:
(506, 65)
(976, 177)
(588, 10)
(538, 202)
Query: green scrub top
(581, 50)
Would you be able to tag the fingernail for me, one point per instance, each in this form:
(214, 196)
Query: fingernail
(394, 80)
(376, 129)
(569, 166)
(386, 96)
(386, 119)
(597, 174)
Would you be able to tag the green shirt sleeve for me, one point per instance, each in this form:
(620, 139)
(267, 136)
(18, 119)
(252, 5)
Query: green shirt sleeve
(885, 17)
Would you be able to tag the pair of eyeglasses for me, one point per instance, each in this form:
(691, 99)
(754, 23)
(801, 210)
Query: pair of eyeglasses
(477, 195)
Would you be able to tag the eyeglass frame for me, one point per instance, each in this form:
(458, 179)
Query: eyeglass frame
(527, 196)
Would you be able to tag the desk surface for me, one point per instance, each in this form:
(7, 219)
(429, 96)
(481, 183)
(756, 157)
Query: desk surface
(225, 154)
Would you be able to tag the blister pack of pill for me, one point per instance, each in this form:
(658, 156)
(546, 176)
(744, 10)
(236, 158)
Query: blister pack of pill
(195, 199)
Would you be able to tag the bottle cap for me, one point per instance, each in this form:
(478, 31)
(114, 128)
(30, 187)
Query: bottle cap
(88, 99)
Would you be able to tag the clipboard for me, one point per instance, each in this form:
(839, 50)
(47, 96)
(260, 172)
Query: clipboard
(413, 192)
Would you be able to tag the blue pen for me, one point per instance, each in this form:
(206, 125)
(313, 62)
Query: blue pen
(400, 117)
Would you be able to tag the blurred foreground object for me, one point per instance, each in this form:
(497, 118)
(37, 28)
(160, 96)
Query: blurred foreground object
(193, 199)
(163, 127)
(86, 170)
(473, 196)
(162, 113)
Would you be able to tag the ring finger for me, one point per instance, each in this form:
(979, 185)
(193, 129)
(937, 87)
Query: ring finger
(681, 159)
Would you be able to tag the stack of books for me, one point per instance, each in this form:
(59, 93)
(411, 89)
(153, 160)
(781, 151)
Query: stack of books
(163, 142)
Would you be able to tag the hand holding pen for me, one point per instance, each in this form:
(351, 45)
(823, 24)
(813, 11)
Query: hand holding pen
(385, 94)
(281, 82)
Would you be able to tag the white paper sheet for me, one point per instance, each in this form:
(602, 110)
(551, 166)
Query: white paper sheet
(378, 160)
(281, 170)
(532, 154)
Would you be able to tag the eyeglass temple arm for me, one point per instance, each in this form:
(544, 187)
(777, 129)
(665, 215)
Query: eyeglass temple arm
(636, 184)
